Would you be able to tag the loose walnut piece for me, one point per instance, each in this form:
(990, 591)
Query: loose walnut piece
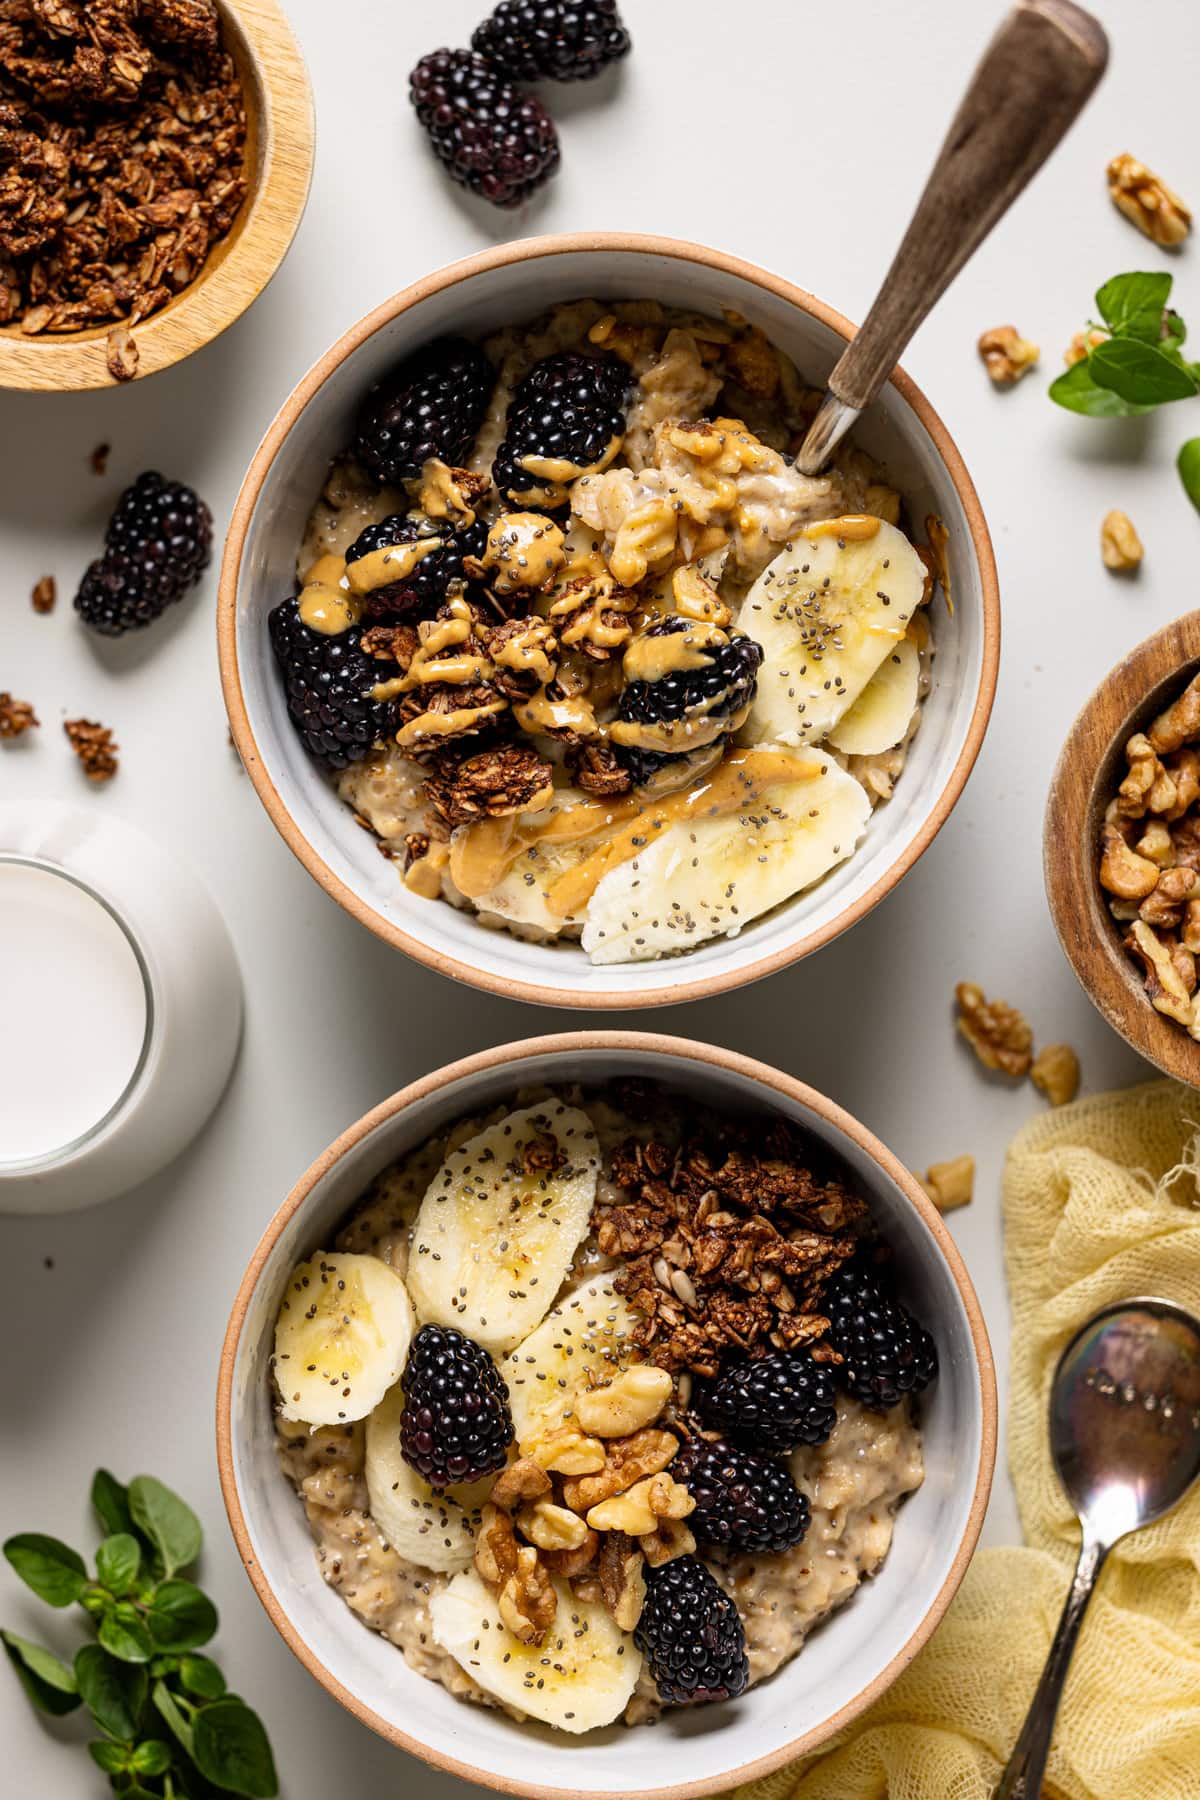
(527, 1602)
(44, 595)
(1055, 1073)
(631, 1400)
(1081, 344)
(1120, 545)
(996, 1032)
(122, 355)
(1147, 201)
(1006, 354)
(16, 717)
(622, 1579)
(951, 1184)
(522, 1480)
(627, 1461)
(93, 745)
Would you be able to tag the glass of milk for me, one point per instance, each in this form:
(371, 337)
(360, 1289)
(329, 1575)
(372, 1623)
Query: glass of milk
(120, 1007)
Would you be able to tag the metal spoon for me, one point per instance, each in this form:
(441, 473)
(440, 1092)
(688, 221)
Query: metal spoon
(1125, 1437)
(1034, 78)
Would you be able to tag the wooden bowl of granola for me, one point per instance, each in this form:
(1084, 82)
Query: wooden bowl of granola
(208, 208)
(1128, 783)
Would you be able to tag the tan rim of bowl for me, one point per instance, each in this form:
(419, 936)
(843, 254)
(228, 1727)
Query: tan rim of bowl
(279, 160)
(529, 250)
(570, 1044)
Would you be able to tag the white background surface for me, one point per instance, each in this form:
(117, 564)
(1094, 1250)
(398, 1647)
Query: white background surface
(797, 136)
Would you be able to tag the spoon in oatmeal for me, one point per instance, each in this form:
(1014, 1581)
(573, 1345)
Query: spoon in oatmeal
(1034, 79)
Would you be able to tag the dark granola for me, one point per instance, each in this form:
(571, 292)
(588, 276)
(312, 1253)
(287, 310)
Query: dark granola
(599, 770)
(727, 1249)
(122, 142)
(94, 746)
(508, 779)
(16, 717)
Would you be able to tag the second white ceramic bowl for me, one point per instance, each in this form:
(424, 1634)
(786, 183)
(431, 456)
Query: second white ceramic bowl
(510, 285)
(847, 1663)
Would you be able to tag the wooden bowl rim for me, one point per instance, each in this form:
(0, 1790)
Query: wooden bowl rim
(699, 988)
(569, 1045)
(75, 361)
(1105, 973)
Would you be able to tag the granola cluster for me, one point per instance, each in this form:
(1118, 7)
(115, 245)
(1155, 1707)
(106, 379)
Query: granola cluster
(1150, 857)
(122, 139)
(727, 1249)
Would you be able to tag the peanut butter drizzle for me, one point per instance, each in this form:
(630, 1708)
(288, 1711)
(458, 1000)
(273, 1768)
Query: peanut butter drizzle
(424, 876)
(393, 563)
(850, 526)
(559, 469)
(326, 603)
(571, 712)
(482, 854)
(652, 656)
(430, 662)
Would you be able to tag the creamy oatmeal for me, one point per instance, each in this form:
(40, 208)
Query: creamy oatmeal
(592, 1414)
(582, 647)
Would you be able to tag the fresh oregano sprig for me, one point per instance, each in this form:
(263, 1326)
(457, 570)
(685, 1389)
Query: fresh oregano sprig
(170, 1729)
(1137, 361)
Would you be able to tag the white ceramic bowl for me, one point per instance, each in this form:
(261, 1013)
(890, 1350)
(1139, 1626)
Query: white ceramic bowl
(852, 1657)
(510, 285)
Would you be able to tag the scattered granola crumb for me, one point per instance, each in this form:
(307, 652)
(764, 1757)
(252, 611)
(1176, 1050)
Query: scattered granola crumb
(99, 458)
(93, 745)
(1006, 354)
(996, 1032)
(1055, 1073)
(44, 595)
(951, 1184)
(1147, 202)
(122, 353)
(1120, 545)
(16, 717)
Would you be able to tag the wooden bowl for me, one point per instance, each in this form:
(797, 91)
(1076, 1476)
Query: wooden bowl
(280, 137)
(1088, 774)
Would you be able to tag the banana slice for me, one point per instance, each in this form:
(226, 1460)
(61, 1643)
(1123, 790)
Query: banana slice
(341, 1338)
(826, 612)
(581, 1676)
(585, 1340)
(435, 1530)
(500, 1223)
(883, 711)
(519, 894)
(710, 874)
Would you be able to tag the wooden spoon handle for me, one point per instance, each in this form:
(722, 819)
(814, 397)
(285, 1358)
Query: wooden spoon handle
(1034, 78)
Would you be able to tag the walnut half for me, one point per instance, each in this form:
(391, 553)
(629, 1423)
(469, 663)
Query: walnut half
(1147, 202)
(1006, 354)
(996, 1032)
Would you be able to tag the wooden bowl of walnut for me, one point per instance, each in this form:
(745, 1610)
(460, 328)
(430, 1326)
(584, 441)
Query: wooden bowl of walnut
(278, 160)
(1122, 849)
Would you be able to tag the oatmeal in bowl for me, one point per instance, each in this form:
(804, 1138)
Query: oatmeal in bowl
(595, 1403)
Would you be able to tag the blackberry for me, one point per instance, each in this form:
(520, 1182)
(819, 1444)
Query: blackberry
(568, 408)
(886, 1352)
(497, 142)
(158, 541)
(691, 1635)
(552, 40)
(431, 404)
(426, 583)
(743, 1501)
(714, 696)
(328, 680)
(773, 1405)
(456, 1424)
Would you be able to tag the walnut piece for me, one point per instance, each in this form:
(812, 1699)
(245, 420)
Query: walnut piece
(638, 1509)
(627, 1461)
(566, 1451)
(669, 1539)
(1179, 724)
(951, 1184)
(1165, 905)
(1146, 200)
(16, 717)
(1055, 1073)
(631, 1400)
(1120, 546)
(520, 1481)
(1006, 354)
(527, 1602)
(121, 354)
(622, 1579)
(996, 1032)
(1122, 871)
(1081, 344)
(572, 1563)
(93, 745)
(495, 1547)
(1163, 983)
(490, 784)
(44, 594)
(552, 1527)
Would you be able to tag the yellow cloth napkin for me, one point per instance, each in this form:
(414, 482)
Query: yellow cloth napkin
(1101, 1202)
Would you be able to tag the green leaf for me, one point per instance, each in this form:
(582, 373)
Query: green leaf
(118, 1560)
(112, 1758)
(110, 1502)
(201, 1676)
(231, 1748)
(1076, 390)
(55, 1572)
(1188, 464)
(180, 1617)
(169, 1523)
(1174, 331)
(115, 1692)
(173, 1714)
(97, 1601)
(1140, 373)
(124, 1634)
(1133, 305)
(49, 1683)
(152, 1757)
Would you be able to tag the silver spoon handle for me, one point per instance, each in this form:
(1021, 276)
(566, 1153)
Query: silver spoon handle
(1022, 1779)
